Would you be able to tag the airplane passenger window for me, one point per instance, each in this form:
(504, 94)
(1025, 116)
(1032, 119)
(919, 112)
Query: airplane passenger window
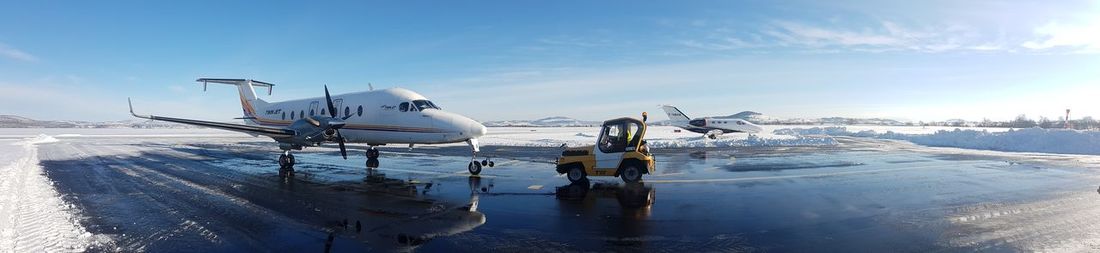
(360, 111)
(291, 115)
(404, 107)
(311, 112)
(347, 111)
(284, 115)
(323, 112)
(302, 114)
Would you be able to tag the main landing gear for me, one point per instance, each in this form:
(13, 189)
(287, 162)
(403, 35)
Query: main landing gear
(286, 160)
(372, 157)
(286, 163)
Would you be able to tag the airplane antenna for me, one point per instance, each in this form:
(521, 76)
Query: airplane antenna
(371, 86)
(203, 86)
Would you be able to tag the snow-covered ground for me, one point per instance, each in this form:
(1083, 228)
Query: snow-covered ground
(1059, 141)
(33, 218)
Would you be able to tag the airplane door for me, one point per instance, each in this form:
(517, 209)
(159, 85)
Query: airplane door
(314, 108)
(339, 105)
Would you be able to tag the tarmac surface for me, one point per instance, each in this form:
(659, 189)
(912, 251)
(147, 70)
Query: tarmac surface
(216, 194)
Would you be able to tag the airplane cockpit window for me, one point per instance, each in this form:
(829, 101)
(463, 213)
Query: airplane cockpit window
(404, 107)
(424, 104)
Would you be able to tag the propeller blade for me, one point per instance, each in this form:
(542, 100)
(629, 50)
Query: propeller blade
(340, 140)
(331, 108)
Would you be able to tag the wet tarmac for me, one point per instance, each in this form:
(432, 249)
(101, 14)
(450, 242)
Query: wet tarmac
(213, 195)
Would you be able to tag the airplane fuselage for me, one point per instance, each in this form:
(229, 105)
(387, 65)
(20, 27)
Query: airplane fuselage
(389, 116)
(725, 125)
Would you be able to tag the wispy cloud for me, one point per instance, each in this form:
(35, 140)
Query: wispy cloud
(16, 54)
(575, 41)
(884, 36)
(1078, 38)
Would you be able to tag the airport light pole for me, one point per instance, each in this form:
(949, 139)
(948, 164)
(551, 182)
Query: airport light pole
(1065, 121)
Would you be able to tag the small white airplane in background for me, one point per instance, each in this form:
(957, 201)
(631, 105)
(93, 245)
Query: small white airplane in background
(709, 127)
(389, 116)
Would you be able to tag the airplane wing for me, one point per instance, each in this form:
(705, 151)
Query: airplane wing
(273, 132)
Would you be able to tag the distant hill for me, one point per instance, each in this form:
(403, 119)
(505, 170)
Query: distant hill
(556, 121)
(13, 121)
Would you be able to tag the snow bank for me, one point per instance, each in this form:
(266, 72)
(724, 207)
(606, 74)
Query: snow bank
(748, 141)
(656, 136)
(33, 217)
(1060, 141)
(41, 138)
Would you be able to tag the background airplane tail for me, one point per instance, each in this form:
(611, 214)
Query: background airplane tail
(675, 115)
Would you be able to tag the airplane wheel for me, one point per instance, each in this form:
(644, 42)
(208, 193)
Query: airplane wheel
(490, 164)
(631, 174)
(474, 167)
(484, 162)
(291, 157)
(285, 161)
(576, 175)
(372, 153)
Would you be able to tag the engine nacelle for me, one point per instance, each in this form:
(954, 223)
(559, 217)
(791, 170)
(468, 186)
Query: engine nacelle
(329, 134)
(713, 134)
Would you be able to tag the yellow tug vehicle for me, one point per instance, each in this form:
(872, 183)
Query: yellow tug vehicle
(620, 151)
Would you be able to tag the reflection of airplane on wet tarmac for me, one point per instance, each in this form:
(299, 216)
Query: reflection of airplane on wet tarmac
(711, 127)
(418, 230)
(389, 116)
(405, 220)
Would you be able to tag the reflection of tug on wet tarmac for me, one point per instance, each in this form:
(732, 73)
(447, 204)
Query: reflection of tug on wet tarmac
(620, 151)
(629, 196)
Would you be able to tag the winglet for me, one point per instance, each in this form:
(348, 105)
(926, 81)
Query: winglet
(131, 103)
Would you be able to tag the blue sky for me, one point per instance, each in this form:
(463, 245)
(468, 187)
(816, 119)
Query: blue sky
(495, 60)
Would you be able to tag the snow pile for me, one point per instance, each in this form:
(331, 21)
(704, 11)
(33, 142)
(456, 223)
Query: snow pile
(1061, 141)
(749, 141)
(33, 218)
(656, 136)
(41, 138)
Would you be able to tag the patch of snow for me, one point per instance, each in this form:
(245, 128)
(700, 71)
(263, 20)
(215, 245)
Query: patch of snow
(1059, 141)
(33, 217)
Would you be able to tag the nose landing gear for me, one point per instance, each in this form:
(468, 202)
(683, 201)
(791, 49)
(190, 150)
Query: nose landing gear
(475, 166)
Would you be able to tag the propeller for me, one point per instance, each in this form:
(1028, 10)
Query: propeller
(337, 126)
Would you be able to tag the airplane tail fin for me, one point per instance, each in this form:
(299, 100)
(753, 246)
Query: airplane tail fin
(250, 104)
(674, 114)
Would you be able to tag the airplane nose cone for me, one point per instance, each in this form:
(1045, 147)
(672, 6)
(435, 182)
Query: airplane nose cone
(477, 129)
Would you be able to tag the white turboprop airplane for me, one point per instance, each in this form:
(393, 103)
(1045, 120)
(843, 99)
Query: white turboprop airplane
(709, 127)
(388, 116)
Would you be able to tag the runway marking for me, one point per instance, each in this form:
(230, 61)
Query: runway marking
(833, 174)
